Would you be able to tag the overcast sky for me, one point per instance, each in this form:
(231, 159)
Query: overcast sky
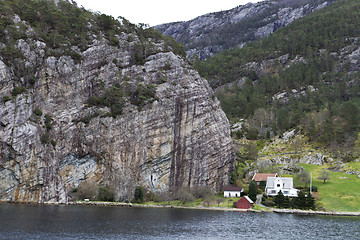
(154, 12)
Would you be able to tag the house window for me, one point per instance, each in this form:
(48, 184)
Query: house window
(273, 191)
(286, 192)
(278, 185)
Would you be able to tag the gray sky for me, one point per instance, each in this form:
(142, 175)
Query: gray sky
(154, 12)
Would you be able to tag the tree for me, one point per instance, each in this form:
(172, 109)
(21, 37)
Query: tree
(253, 190)
(139, 194)
(208, 199)
(310, 202)
(184, 196)
(324, 176)
(300, 201)
(279, 199)
(219, 200)
(262, 185)
(88, 190)
(302, 177)
(286, 203)
(297, 144)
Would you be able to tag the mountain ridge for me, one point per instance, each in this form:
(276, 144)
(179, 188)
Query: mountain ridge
(212, 33)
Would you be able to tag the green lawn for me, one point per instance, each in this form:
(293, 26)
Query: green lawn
(341, 192)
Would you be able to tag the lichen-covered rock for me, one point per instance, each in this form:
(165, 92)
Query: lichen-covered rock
(52, 139)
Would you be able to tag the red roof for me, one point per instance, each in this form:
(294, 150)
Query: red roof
(232, 188)
(258, 177)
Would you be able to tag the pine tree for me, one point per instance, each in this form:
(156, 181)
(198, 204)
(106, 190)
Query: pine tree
(253, 190)
(310, 202)
(300, 201)
(279, 199)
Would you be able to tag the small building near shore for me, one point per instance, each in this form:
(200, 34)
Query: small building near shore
(244, 203)
(231, 191)
(262, 177)
(283, 184)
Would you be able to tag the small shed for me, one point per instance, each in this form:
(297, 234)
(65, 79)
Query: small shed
(244, 203)
(231, 191)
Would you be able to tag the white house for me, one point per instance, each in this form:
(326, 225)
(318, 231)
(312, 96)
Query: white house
(230, 191)
(285, 184)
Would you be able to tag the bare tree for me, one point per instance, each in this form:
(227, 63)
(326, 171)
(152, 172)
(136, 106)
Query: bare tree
(324, 175)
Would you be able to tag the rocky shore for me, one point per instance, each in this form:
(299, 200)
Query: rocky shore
(274, 210)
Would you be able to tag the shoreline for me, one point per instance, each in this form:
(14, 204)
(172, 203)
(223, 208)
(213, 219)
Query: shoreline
(270, 210)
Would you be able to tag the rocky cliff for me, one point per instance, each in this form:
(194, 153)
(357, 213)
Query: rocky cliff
(214, 32)
(106, 115)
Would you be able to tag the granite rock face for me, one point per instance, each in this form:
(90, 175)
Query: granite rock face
(214, 32)
(52, 140)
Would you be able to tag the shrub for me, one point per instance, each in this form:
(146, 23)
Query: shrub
(184, 196)
(314, 188)
(105, 194)
(87, 189)
(268, 203)
(18, 90)
(139, 194)
(48, 121)
(202, 192)
(45, 138)
(38, 112)
(53, 143)
(6, 98)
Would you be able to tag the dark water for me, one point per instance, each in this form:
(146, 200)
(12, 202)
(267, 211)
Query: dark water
(90, 222)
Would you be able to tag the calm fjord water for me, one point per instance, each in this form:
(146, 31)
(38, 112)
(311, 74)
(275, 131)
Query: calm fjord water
(90, 222)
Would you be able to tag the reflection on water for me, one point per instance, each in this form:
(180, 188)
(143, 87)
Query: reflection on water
(91, 222)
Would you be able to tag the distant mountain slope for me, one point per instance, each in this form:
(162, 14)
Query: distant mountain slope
(305, 75)
(214, 32)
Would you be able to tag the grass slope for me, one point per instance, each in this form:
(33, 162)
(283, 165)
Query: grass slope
(341, 193)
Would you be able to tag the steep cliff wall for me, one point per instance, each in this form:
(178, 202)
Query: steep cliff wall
(163, 128)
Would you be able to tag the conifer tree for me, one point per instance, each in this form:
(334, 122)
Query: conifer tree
(279, 199)
(253, 190)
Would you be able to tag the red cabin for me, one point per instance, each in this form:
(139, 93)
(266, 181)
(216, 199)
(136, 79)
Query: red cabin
(244, 203)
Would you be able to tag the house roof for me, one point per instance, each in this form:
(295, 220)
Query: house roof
(250, 201)
(286, 182)
(258, 177)
(232, 188)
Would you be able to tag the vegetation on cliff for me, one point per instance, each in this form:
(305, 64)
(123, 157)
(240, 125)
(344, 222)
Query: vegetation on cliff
(67, 30)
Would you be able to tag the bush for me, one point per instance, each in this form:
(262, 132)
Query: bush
(18, 90)
(87, 190)
(314, 188)
(6, 98)
(268, 203)
(139, 194)
(53, 143)
(45, 138)
(184, 196)
(201, 192)
(38, 112)
(105, 194)
(48, 121)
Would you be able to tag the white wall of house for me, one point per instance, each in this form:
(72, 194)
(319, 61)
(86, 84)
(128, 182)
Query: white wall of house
(274, 185)
(232, 193)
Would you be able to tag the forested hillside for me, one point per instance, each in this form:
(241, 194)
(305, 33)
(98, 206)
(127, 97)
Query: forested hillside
(305, 75)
